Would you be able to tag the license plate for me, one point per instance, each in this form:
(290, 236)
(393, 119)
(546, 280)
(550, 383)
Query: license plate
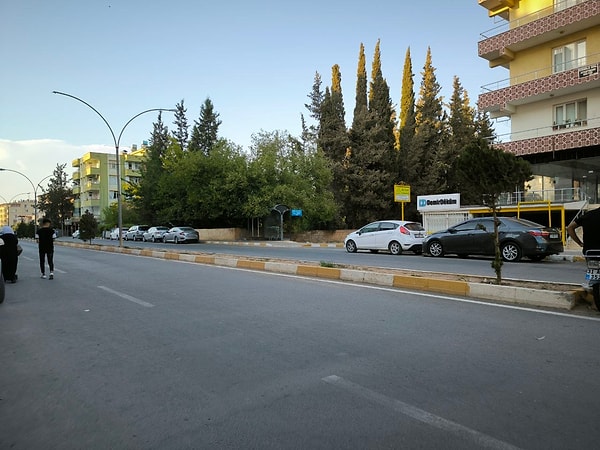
(419, 235)
(592, 275)
(553, 235)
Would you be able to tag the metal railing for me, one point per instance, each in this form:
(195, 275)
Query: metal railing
(560, 195)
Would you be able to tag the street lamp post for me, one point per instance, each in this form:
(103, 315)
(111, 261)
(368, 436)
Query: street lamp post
(116, 142)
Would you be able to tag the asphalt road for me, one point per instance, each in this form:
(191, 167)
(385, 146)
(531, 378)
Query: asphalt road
(548, 270)
(138, 353)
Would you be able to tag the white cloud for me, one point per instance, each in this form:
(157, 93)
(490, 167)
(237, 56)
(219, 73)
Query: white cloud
(37, 159)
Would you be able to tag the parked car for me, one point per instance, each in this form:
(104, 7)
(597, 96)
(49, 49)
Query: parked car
(517, 238)
(154, 234)
(75, 234)
(181, 234)
(114, 233)
(394, 236)
(136, 232)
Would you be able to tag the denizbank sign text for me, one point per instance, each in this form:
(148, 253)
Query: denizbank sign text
(442, 202)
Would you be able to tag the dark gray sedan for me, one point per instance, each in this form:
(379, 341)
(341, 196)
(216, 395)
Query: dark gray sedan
(517, 238)
(181, 235)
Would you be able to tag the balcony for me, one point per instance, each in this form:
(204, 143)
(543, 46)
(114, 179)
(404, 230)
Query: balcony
(76, 175)
(502, 97)
(552, 138)
(76, 190)
(91, 170)
(90, 203)
(499, 44)
(92, 186)
(498, 7)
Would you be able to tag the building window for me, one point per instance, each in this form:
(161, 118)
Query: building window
(568, 56)
(572, 114)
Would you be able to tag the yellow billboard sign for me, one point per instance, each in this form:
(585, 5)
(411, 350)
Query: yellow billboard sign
(402, 193)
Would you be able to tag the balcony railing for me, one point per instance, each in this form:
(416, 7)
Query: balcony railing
(562, 195)
(518, 22)
(533, 133)
(588, 62)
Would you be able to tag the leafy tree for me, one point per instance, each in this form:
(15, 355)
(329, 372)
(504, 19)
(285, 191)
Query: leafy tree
(281, 171)
(205, 132)
(490, 172)
(25, 230)
(181, 126)
(88, 227)
(57, 200)
(110, 215)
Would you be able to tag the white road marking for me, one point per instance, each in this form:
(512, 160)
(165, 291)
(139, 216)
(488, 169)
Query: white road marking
(480, 439)
(127, 297)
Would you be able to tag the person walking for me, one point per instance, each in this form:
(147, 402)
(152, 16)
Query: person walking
(45, 237)
(590, 222)
(9, 254)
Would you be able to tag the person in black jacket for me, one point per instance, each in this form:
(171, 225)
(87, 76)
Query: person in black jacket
(45, 237)
(590, 222)
(9, 254)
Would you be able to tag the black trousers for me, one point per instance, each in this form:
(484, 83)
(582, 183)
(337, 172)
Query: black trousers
(43, 256)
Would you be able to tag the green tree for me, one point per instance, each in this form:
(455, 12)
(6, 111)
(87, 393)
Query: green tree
(429, 138)
(371, 164)
(181, 133)
(147, 200)
(57, 199)
(496, 172)
(310, 133)
(406, 125)
(462, 133)
(88, 227)
(281, 171)
(205, 132)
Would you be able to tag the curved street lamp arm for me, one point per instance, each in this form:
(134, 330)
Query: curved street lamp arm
(135, 117)
(93, 109)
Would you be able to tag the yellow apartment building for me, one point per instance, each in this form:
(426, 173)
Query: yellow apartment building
(546, 54)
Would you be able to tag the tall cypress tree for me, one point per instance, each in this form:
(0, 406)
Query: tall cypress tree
(429, 136)
(205, 132)
(406, 126)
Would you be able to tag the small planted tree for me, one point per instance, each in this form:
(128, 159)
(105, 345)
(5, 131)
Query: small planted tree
(88, 227)
(486, 172)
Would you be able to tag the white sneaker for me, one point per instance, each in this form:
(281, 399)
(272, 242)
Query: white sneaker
(52, 275)
(44, 276)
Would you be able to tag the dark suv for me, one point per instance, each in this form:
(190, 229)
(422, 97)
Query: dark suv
(136, 233)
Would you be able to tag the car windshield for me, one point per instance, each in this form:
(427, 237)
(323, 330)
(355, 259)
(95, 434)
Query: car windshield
(186, 229)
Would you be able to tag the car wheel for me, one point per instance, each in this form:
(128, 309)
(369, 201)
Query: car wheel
(435, 248)
(511, 252)
(351, 247)
(395, 248)
(176, 240)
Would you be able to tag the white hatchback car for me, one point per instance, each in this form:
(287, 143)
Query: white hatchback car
(394, 236)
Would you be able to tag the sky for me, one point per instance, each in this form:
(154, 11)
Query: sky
(255, 60)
